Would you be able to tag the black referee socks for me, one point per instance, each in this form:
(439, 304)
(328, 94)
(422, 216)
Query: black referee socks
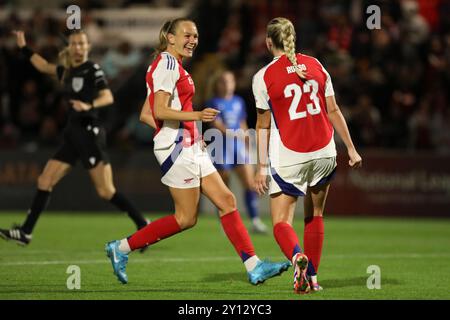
(124, 204)
(40, 201)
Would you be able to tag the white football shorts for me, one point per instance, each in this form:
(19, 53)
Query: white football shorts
(295, 180)
(183, 167)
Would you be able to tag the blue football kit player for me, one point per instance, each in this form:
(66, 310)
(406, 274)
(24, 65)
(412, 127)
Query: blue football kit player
(232, 122)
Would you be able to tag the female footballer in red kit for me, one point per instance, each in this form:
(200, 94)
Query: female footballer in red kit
(295, 100)
(185, 164)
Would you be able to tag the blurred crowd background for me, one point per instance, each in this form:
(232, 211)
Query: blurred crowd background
(392, 84)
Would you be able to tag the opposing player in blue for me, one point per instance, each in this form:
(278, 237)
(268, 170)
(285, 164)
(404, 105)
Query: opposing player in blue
(234, 155)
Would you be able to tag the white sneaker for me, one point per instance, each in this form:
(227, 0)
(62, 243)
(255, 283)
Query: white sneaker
(258, 226)
(314, 284)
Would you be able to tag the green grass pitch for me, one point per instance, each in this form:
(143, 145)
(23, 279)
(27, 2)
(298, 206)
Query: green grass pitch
(413, 256)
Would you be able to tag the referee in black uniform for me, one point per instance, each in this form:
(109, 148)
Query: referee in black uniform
(84, 137)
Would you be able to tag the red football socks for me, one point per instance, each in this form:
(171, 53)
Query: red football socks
(313, 240)
(287, 239)
(153, 232)
(238, 234)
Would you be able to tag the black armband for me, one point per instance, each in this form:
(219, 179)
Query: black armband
(27, 52)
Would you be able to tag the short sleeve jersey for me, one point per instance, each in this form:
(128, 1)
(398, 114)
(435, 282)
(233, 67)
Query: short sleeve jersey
(300, 128)
(82, 83)
(232, 111)
(167, 74)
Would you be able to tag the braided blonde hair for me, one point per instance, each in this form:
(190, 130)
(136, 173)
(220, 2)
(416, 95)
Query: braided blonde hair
(282, 33)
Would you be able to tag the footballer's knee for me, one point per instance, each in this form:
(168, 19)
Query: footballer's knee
(105, 193)
(185, 221)
(45, 182)
(228, 203)
(280, 218)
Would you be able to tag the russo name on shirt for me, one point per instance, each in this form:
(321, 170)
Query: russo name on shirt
(291, 69)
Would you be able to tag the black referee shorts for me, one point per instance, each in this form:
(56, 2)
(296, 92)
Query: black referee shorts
(86, 142)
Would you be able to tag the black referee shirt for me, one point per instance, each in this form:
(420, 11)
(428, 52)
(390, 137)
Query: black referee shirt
(82, 83)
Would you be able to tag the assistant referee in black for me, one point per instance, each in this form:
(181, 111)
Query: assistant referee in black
(86, 87)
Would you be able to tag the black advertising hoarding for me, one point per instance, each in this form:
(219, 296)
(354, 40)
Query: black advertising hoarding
(135, 174)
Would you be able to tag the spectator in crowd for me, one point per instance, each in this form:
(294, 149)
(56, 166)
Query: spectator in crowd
(396, 66)
(119, 62)
(365, 121)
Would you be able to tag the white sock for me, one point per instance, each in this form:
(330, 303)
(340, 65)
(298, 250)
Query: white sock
(251, 262)
(124, 246)
(314, 279)
(293, 259)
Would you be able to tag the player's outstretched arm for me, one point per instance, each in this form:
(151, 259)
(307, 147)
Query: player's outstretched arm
(146, 114)
(164, 112)
(36, 60)
(339, 124)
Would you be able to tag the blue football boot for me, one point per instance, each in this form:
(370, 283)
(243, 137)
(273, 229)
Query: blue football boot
(265, 270)
(118, 259)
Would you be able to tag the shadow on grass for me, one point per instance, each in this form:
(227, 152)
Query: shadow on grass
(225, 277)
(354, 282)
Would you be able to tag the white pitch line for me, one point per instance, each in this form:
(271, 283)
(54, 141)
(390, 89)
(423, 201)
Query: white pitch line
(230, 258)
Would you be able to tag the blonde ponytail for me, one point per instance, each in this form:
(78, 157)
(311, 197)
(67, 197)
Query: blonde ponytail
(282, 33)
(163, 42)
(64, 60)
(64, 55)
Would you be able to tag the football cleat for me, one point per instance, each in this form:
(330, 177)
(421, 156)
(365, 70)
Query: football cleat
(258, 226)
(301, 283)
(265, 270)
(314, 285)
(16, 234)
(118, 259)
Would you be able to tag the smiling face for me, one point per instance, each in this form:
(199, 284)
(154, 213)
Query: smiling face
(78, 48)
(183, 43)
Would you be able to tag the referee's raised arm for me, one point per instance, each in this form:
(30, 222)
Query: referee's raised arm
(36, 60)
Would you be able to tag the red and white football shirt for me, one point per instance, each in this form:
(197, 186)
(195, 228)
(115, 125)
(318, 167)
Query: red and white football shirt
(300, 129)
(166, 73)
